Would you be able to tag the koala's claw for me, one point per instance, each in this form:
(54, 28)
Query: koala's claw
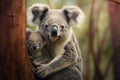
(42, 71)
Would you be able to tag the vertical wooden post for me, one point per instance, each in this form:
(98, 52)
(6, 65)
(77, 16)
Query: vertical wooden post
(14, 62)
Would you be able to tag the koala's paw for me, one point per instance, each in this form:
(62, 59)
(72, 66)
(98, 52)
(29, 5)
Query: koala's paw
(42, 71)
(35, 64)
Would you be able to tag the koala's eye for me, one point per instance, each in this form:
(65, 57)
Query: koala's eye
(30, 42)
(46, 25)
(62, 26)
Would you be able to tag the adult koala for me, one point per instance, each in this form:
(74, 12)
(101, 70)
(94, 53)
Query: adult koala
(56, 27)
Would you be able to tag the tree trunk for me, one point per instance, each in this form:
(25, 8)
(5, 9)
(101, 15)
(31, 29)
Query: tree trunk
(14, 61)
(114, 10)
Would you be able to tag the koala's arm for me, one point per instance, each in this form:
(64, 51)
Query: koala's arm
(39, 61)
(43, 59)
(72, 55)
(60, 62)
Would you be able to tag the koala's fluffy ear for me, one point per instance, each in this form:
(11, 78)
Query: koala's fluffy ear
(74, 15)
(36, 13)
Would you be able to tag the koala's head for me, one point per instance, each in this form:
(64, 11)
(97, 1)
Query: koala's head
(35, 42)
(55, 25)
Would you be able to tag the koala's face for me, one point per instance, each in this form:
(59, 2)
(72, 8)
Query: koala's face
(55, 25)
(35, 42)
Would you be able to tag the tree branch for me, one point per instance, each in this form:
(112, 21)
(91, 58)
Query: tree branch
(108, 67)
(50, 3)
(100, 46)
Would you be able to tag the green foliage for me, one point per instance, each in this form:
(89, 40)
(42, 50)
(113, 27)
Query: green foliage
(33, 28)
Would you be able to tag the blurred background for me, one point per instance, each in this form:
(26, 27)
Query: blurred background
(99, 36)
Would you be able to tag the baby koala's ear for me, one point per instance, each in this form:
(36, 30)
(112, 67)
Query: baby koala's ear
(36, 13)
(28, 32)
(74, 15)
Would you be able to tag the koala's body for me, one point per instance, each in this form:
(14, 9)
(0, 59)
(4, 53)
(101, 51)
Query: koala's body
(56, 27)
(35, 47)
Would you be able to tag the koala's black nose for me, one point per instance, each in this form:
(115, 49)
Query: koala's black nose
(34, 47)
(54, 30)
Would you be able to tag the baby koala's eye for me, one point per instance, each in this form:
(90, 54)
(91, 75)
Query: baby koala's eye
(40, 43)
(30, 42)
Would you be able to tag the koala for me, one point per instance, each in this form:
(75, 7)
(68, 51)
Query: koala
(56, 28)
(35, 46)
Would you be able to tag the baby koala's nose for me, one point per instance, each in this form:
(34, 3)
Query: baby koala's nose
(54, 31)
(34, 47)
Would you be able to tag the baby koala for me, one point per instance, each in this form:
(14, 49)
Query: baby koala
(35, 44)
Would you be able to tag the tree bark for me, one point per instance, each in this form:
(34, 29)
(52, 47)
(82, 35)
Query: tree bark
(114, 10)
(14, 61)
